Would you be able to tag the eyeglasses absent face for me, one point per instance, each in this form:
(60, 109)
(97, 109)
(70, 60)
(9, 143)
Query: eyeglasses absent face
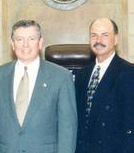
(26, 43)
(102, 38)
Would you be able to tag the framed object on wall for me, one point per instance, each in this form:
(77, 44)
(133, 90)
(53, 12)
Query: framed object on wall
(64, 4)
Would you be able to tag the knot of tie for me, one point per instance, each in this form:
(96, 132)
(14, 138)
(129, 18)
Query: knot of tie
(25, 68)
(95, 78)
(96, 73)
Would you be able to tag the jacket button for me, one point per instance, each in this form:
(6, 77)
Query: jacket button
(99, 141)
(21, 133)
(107, 107)
(103, 124)
(86, 127)
(22, 151)
(129, 131)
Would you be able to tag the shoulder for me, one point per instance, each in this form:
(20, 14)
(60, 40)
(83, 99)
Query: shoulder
(54, 67)
(55, 70)
(126, 72)
(85, 71)
(125, 65)
(7, 67)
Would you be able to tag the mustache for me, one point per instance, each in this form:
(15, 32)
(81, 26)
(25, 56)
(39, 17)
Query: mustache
(99, 44)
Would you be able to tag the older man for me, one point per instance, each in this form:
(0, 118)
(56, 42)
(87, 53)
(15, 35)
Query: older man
(37, 102)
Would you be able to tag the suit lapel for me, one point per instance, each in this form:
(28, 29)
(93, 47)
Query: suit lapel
(8, 91)
(86, 74)
(42, 87)
(105, 87)
(82, 80)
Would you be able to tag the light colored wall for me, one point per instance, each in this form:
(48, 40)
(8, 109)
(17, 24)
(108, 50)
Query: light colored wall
(1, 38)
(64, 26)
(131, 30)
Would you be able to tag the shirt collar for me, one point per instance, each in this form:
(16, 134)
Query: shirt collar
(105, 62)
(32, 65)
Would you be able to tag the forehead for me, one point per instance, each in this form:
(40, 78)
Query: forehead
(102, 26)
(25, 31)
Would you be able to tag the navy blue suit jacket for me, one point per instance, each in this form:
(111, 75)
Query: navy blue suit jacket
(112, 115)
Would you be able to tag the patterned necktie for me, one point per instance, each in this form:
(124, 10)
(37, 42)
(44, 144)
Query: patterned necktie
(91, 90)
(22, 96)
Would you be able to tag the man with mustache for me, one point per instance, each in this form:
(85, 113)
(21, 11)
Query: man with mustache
(104, 92)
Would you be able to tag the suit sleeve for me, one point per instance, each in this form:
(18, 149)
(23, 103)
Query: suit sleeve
(128, 98)
(67, 117)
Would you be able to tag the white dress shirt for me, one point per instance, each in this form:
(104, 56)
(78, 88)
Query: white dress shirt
(103, 66)
(32, 70)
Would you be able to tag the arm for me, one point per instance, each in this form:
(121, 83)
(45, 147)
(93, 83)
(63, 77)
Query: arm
(128, 98)
(67, 117)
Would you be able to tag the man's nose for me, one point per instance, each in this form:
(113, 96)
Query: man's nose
(98, 40)
(25, 43)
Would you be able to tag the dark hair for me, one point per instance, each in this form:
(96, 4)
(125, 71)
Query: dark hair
(26, 23)
(115, 27)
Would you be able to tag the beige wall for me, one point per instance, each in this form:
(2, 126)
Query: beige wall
(1, 38)
(131, 30)
(64, 26)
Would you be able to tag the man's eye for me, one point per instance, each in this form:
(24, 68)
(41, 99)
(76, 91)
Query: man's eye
(19, 39)
(93, 36)
(105, 35)
(32, 38)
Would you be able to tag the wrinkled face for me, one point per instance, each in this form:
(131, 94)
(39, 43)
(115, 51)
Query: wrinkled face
(102, 38)
(26, 44)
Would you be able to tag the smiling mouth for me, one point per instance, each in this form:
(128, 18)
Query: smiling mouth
(25, 50)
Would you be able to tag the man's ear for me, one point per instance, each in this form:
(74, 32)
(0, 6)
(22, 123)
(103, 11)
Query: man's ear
(116, 39)
(41, 43)
(12, 44)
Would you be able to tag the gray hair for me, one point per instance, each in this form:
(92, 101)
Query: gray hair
(25, 24)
